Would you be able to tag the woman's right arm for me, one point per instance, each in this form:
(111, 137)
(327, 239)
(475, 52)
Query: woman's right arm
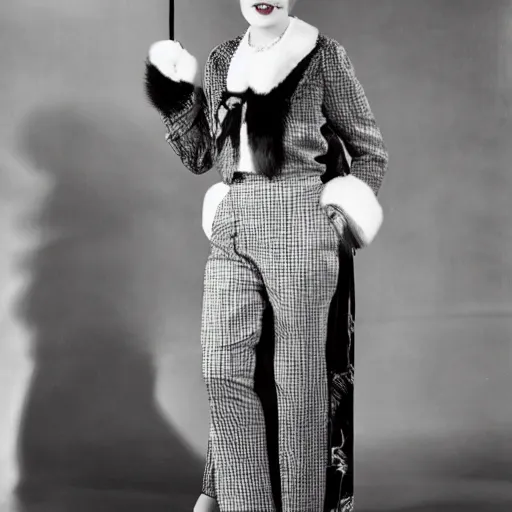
(172, 86)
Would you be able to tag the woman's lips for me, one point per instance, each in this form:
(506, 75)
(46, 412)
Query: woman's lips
(264, 9)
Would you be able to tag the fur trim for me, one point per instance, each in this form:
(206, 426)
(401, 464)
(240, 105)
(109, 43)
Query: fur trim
(212, 199)
(173, 61)
(359, 205)
(264, 71)
(166, 95)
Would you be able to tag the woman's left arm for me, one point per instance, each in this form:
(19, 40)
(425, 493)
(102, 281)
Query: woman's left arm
(347, 110)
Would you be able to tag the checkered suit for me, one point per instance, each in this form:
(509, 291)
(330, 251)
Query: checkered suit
(271, 242)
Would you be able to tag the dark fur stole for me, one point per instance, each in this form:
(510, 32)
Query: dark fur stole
(266, 119)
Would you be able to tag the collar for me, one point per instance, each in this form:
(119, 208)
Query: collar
(264, 71)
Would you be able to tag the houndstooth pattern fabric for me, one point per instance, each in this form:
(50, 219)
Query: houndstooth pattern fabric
(294, 261)
(329, 93)
(189, 130)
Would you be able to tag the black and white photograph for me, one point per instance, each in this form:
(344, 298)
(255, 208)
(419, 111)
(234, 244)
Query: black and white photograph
(256, 256)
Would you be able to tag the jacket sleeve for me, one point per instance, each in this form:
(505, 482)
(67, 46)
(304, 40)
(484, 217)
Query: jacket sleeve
(187, 112)
(348, 112)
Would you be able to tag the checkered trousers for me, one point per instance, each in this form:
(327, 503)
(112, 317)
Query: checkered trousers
(271, 241)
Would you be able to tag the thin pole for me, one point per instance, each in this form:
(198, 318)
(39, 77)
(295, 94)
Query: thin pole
(171, 19)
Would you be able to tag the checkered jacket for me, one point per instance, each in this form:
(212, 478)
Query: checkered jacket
(328, 93)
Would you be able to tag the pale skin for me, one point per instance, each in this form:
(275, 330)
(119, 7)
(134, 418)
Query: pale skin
(266, 24)
(265, 27)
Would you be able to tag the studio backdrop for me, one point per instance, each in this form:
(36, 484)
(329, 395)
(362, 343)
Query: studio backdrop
(103, 255)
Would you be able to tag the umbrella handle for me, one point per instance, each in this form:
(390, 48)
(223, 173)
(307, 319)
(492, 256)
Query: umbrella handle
(171, 19)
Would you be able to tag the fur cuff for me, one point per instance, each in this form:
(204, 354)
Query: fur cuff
(359, 205)
(166, 95)
(173, 61)
(170, 77)
(212, 199)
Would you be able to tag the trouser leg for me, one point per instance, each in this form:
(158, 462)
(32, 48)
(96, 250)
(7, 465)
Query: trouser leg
(301, 316)
(233, 307)
(299, 265)
(208, 485)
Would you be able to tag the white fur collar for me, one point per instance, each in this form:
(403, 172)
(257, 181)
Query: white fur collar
(263, 71)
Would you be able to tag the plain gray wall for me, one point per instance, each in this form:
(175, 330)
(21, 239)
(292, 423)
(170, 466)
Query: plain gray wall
(102, 256)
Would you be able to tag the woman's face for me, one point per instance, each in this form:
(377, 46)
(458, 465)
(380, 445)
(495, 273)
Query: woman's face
(266, 13)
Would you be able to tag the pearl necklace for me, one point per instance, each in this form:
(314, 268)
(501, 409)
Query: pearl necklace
(267, 46)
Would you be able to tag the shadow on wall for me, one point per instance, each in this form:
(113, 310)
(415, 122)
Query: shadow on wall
(90, 420)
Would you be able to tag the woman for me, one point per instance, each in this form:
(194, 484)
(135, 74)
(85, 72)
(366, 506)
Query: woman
(282, 230)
